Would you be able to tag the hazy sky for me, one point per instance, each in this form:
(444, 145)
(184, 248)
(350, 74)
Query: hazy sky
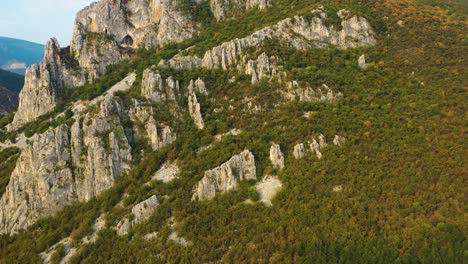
(39, 20)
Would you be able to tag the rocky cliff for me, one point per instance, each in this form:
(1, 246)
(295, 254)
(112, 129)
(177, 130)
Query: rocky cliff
(224, 8)
(45, 83)
(77, 162)
(226, 177)
(103, 34)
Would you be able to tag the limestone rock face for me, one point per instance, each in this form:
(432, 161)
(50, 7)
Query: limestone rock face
(140, 212)
(179, 62)
(167, 172)
(339, 140)
(223, 8)
(261, 68)
(41, 183)
(316, 146)
(155, 88)
(101, 149)
(197, 86)
(67, 164)
(131, 23)
(45, 83)
(159, 135)
(226, 177)
(277, 156)
(195, 111)
(362, 62)
(307, 94)
(299, 32)
(299, 151)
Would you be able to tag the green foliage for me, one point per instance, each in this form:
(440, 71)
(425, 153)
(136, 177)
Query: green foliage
(401, 169)
(8, 159)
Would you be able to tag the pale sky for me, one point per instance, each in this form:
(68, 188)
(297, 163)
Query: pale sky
(39, 20)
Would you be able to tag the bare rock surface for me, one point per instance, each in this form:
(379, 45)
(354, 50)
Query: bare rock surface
(267, 189)
(277, 156)
(226, 177)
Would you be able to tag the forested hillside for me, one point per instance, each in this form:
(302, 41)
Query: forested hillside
(381, 116)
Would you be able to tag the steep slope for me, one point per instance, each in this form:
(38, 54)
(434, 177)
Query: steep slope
(10, 85)
(16, 55)
(11, 81)
(8, 101)
(277, 132)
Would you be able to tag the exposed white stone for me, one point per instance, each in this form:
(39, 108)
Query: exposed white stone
(267, 189)
(140, 213)
(339, 140)
(195, 111)
(277, 156)
(167, 172)
(156, 88)
(226, 177)
(362, 62)
(299, 151)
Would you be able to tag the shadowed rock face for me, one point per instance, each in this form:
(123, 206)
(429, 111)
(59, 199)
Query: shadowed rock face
(45, 83)
(226, 177)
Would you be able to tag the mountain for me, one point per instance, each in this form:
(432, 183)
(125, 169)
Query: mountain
(247, 131)
(12, 81)
(10, 85)
(16, 54)
(8, 101)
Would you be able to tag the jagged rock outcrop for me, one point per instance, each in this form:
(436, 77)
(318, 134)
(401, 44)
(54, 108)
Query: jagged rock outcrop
(102, 31)
(144, 124)
(101, 149)
(276, 156)
(41, 183)
(45, 83)
(198, 86)
(260, 68)
(66, 164)
(362, 62)
(140, 213)
(316, 146)
(167, 172)
(307, 94)
(223, 8)
(299, 151)
(339, 140)
(299, 32)
(156, 89)
(226, 177)
(121, 23)
(195, 111)
(179, 62)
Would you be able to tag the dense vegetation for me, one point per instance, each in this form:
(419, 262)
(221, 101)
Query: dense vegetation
(402, 168)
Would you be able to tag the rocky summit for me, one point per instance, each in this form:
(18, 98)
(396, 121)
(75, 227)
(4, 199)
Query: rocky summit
(240, 131)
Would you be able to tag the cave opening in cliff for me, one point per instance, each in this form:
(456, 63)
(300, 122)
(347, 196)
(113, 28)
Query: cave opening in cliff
(127, 41)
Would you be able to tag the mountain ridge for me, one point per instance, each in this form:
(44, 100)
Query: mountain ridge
(332, 109)
(16, 54)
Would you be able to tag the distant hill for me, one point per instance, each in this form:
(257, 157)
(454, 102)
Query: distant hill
(11, 81)
(16, 54)
(8, 101)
